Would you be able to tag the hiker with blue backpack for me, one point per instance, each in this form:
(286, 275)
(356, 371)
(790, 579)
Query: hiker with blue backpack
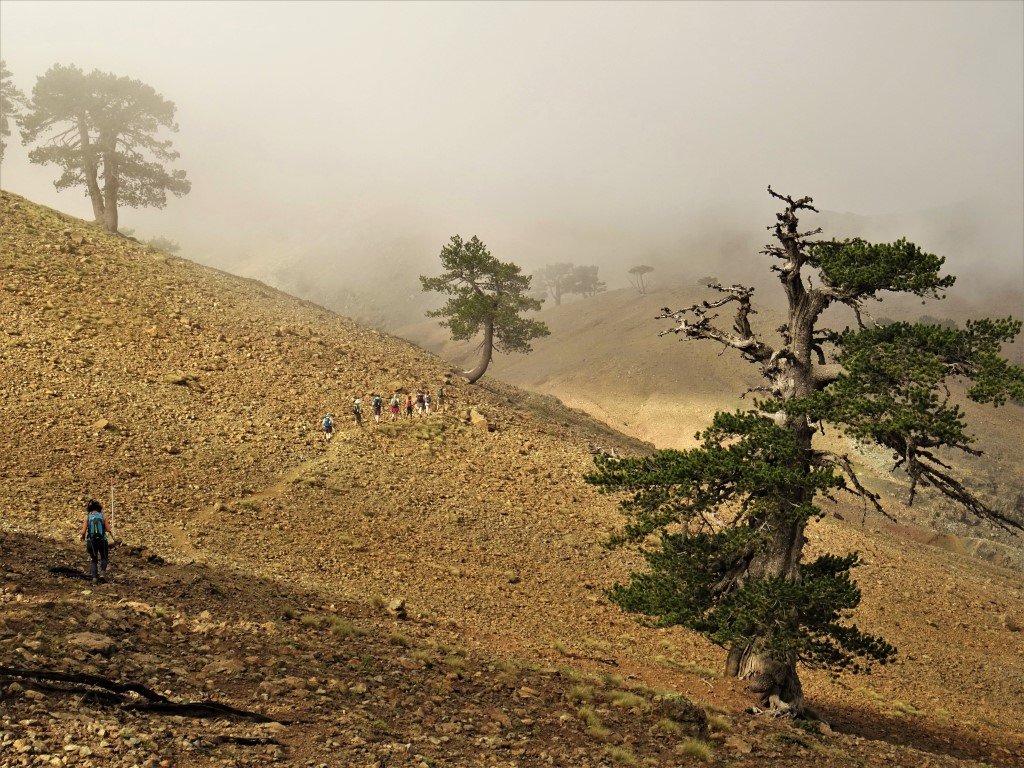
(94, 534)
(328, 425)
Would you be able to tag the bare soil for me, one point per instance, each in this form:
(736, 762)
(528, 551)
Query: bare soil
(202, 393)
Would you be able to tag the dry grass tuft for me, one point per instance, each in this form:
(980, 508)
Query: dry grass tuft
(581, 693)
(670, 726)
(611, 680)
(344, 628)
(622, 755)
(400, 639)
(695, 749)
(628, 700)
(719, 724)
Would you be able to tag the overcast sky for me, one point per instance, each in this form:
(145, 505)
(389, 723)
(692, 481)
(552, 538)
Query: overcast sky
(337, 125)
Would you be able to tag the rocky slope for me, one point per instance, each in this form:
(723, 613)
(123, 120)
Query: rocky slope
(201, 393)
(605, 358)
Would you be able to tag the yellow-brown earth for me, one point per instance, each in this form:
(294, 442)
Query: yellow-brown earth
(202, 392)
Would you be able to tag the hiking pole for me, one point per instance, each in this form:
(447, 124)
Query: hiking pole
(111, 505)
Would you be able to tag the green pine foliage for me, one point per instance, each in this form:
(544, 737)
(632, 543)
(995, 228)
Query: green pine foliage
(862, 269)
(702, 514)
(721, 526)
(101, 127)
(12, 100)
(484, 294)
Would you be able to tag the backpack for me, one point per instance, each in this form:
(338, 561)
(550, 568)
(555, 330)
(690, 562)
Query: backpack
(328, 422)
(377, 402)
(357, 407)
(95, 528)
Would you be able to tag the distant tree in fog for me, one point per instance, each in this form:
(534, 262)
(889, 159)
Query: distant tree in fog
(722, 527)
(484, 295)
(637, 277)
(100, 126)
(555, 280)
(12, 100)
(163, 244)
(586, 282)
(564, 278)
(942, 322)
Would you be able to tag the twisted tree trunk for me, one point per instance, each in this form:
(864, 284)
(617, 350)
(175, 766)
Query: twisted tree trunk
(90, 170)
(111, 184)
(485, 354)
(773, 676)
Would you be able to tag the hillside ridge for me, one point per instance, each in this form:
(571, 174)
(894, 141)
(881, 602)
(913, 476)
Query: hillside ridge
(201, 394)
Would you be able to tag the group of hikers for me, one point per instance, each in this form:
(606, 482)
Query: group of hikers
(400, 405)
(96, 530)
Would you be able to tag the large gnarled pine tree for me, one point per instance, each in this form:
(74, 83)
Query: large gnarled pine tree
(101, 127)
(484, 295)
(722, 526)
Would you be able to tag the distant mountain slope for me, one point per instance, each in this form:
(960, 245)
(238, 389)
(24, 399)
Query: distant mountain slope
(202, 392)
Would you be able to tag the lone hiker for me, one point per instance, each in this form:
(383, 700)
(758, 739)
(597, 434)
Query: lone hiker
(328, 425)
(94, 534)
(357, 411)
(440, 398)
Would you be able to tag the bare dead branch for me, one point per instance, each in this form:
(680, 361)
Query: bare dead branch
(742, 338)
(794, 205)
(752, 390)
(112, 692)
(843, 463)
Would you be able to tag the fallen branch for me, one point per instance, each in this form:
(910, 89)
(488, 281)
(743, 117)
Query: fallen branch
(248, 741)
(598, 659)
(114, 693)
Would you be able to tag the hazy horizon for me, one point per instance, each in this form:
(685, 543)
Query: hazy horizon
(325, 137)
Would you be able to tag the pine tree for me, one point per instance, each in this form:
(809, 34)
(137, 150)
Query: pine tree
(11, 102)
(100, 126)
(484, 294)
(721, 526)
(636, 277)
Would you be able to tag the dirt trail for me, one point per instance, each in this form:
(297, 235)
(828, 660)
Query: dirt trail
(208, 514)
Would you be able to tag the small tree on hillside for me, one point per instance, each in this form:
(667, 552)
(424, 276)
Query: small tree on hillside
(722, 526)
(11, 102)
(164, 244)
(103, 126)
(485, 294)
(637, 277)
(585, 280)
(564, 278)
(556, 280)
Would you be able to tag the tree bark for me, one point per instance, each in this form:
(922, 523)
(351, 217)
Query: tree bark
(111, 181)
(90, 170)
(772, 676)
(485, 354)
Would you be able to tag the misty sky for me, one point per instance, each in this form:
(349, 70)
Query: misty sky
(344, 128)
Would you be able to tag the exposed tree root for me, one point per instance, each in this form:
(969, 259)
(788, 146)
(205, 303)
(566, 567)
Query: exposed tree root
(113, 693)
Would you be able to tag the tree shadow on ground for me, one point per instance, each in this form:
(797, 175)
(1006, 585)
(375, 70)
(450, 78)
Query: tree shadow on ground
(960, 741)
